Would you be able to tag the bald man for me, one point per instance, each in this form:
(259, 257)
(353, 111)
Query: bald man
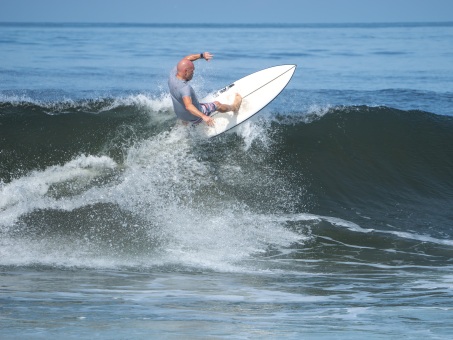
(185, 102)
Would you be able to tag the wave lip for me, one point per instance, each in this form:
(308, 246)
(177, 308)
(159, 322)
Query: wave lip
(27, 104)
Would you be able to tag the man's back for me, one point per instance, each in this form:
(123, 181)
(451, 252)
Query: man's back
(178, 89)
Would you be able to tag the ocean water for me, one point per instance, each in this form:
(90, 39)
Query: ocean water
(329, 215)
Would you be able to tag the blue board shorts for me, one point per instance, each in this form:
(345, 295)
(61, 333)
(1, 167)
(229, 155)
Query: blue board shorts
(207, 109)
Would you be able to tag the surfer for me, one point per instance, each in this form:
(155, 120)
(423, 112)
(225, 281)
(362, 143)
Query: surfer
(185, 102)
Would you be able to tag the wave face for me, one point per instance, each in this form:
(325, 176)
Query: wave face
(114, 182)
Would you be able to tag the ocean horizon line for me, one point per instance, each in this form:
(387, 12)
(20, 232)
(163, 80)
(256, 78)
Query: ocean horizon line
(229, 25)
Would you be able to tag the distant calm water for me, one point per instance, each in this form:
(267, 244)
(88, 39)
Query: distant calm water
(329, 215)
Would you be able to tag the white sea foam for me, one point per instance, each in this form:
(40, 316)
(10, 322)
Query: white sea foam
(150, 102)
(357, 228)
(418, 237)
(29, 192)
(253, 131)
(162, 182)
(164, 179)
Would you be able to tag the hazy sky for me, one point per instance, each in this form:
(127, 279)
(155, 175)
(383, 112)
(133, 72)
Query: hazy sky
(228, 11)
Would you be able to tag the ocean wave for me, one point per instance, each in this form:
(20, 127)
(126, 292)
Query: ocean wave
(138, 190)
(370, 147)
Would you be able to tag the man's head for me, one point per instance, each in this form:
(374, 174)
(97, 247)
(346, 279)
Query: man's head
(185, 69)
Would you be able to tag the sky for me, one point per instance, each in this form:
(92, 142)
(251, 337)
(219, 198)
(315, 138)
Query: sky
(229, 11)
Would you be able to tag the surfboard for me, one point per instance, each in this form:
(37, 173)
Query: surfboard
(257, 90)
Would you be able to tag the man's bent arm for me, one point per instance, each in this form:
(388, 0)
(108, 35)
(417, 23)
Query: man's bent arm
(197, 113)
(206, 55)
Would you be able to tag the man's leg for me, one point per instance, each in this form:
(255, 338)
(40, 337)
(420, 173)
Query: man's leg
(233, 107)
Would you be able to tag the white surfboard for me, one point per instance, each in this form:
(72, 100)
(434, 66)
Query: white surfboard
(257, 90)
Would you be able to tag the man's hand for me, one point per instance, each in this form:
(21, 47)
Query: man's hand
(209, 120)
(208, 56)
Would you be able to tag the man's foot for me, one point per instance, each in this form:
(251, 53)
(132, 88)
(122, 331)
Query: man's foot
(237, 103)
